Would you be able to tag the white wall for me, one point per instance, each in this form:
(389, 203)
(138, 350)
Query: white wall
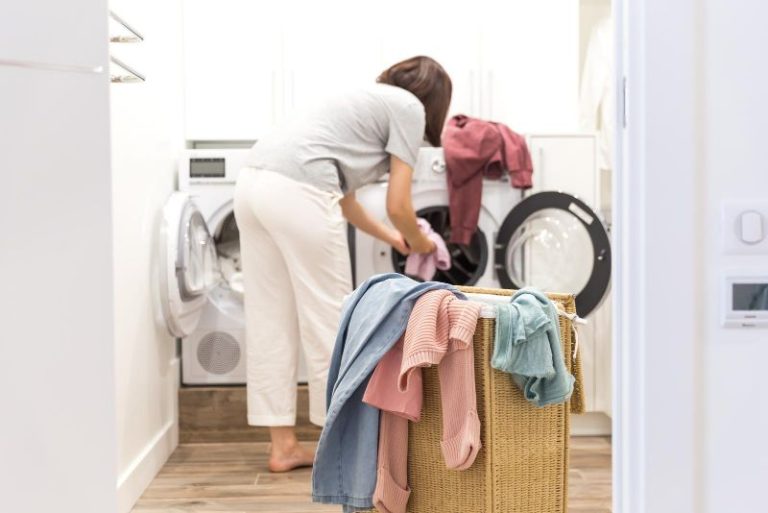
(57, 434)
(147, 135)
(733, 158)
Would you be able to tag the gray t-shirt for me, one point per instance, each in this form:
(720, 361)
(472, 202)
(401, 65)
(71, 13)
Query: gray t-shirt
(347, 142)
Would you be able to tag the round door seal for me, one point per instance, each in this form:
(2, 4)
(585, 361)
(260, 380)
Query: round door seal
(594, 291)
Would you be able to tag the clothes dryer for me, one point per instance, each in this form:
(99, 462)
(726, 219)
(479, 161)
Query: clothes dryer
(200, 269)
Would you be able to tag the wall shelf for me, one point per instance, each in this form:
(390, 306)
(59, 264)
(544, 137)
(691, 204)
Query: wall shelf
(132, 75)
(123, 32)
(128, 35)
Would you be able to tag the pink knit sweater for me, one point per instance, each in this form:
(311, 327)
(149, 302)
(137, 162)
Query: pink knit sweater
(439, 332)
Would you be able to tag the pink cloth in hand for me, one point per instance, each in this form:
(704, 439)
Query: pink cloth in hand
(425, 265)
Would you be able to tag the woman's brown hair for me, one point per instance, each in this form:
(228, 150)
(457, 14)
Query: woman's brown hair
(426, 79)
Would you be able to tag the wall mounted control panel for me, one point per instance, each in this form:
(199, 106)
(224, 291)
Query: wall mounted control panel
(745, 302)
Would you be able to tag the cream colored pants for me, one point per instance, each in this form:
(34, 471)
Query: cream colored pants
(296, 272)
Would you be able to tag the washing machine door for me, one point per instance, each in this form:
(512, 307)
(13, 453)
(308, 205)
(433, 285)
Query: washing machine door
(555, 242)
(188, 264)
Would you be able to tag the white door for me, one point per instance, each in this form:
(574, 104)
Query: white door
(188, 264)
(231, 68)
(530, 52)
(449, 35)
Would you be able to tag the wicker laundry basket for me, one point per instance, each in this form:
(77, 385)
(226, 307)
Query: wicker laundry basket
(523, 464)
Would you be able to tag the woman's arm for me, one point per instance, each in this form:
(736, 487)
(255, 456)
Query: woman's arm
(357, 215)
(400, 207)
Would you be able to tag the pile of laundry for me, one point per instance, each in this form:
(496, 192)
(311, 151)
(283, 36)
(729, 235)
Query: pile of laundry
(391, 328)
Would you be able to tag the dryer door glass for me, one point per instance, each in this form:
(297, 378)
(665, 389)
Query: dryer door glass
(556, 243)
(198, 265)
(467, 261)
(551, 251)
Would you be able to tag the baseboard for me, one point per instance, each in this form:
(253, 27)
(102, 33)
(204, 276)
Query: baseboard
(591, 424)
(132, 482)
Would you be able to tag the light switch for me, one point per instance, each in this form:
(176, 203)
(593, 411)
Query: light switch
(745, 227)
(751, 227)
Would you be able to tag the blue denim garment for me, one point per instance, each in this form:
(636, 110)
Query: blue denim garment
(373, 318)
(528, 347)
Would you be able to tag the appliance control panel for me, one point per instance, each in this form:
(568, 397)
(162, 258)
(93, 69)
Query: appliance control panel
(745, 302)
(210, 166)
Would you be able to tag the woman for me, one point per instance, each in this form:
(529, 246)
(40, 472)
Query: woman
(291, 203)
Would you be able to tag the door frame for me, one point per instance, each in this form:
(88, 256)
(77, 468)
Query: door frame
(658, 433)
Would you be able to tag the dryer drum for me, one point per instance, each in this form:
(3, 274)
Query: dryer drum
(468, 262)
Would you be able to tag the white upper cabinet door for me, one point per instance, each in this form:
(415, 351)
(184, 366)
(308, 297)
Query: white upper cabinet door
(448, 34)
(565, 163)
(530, 51)
(231, 57)
(328, 48)
(42, 32)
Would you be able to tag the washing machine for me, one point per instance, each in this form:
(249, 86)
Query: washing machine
(550, 239)
(471, 264)
(200, 271)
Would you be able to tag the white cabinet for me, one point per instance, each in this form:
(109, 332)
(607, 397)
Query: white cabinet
(320, 60)
(530, 61)
(248, 66)
(56, 259)
(448, 35)
(565, 163)
(231, 57)
(516, 62)
(48, 32)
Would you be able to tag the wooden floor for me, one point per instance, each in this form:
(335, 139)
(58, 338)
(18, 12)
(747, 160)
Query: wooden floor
(218, 414)
(233, 478)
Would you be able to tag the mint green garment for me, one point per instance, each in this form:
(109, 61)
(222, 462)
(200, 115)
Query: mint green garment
(528, 347)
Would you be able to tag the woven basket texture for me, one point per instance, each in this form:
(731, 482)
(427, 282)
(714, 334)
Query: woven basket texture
(523, 464)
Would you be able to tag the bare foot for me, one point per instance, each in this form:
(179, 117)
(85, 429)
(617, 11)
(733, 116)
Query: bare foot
(286, 460)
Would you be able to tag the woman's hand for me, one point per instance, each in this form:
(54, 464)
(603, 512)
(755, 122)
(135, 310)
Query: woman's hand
(362, 220)
(397, 241)
(423, 245)
(400, 206)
